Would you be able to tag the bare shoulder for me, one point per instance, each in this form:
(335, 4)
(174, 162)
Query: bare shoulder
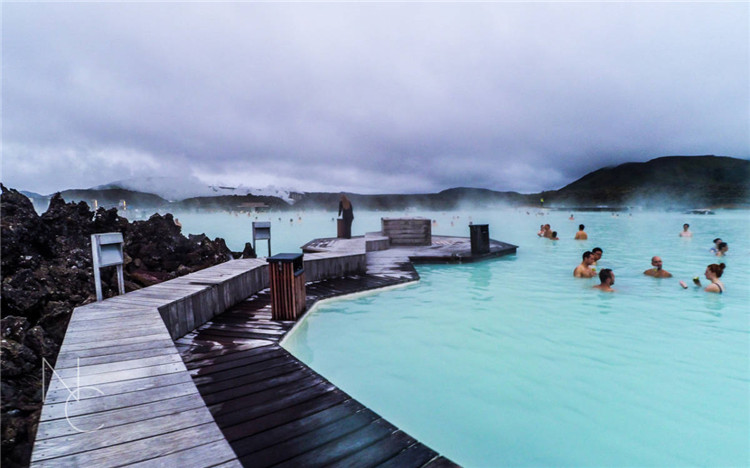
(712, 288)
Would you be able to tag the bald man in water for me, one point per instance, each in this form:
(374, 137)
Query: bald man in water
(657, 271)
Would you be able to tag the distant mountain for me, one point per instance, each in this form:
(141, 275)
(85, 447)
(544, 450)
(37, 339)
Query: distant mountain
(446, 200)
(31, 194)
(667, 181)
(232, 202)
(182, 188)
(670, 182)
(108, 198)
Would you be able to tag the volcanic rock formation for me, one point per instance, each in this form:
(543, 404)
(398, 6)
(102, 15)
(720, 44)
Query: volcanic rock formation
(47, 271)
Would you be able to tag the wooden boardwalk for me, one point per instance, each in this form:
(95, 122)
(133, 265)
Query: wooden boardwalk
(276, 411)
(131, 401)
(226, 394)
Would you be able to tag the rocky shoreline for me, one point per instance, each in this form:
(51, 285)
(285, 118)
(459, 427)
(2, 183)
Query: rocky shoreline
(47, 272)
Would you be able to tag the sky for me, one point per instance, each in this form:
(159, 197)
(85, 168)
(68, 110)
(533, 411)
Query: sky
(366, 97)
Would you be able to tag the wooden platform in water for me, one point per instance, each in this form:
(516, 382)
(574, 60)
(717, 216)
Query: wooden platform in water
(444, 249)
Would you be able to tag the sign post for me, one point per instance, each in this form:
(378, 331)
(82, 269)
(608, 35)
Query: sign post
(261, 230)
(106, 250)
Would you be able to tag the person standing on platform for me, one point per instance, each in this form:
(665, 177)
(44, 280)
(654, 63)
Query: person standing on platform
(347, 213)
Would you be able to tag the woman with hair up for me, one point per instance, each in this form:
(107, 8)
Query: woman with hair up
(713, 273)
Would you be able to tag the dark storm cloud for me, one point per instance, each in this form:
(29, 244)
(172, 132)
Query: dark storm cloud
(367, 97)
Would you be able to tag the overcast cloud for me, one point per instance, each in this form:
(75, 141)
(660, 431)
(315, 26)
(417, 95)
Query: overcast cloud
(366, 97)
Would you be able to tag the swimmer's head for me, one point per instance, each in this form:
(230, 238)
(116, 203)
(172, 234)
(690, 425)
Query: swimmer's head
(607, 274)
(717, 270)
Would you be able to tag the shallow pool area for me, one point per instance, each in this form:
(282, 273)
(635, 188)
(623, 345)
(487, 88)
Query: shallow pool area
(513, 362)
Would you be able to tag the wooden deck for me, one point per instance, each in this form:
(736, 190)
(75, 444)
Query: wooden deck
(276, 411)
(134, 402)
(226, 394)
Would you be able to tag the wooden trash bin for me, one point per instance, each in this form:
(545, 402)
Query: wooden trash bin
(340, 228)
(287, 277)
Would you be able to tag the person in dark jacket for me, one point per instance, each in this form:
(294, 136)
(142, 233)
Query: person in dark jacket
(346, 211)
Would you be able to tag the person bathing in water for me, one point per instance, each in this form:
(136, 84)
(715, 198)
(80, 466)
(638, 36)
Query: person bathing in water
(713, 273)
(584, 269)
(606, 280)
(597, 252)
(715, 249)
(657, 271)
(686, 231)
(581, 234)
(722, 249)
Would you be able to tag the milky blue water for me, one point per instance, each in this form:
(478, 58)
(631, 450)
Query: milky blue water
(513, 362)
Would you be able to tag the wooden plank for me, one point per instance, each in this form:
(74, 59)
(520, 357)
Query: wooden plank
(107, 402)
(138, 301)
(296, 378)
(244, 444)
(120, 434)
(378, 452)
(93, 312)
(231, 415)
(248, 427)
(414, 455)
(84, 334)
(72, 360)
(139, 450)
(289, 449)
(72, 372)
(71, 355)
(135, 326)
(440, 462)
(130, 374)
(209, 387)
(198, 456)
(342, 447)
(83, 346)
(61, 394)
(241, 371)
(91, 421)
(245, 397)
(240, 356)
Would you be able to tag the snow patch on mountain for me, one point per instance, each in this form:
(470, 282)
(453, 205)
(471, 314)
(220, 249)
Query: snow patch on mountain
(176, 189)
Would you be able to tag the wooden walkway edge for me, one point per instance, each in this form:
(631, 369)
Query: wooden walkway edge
(276, 411)
(124, 392)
